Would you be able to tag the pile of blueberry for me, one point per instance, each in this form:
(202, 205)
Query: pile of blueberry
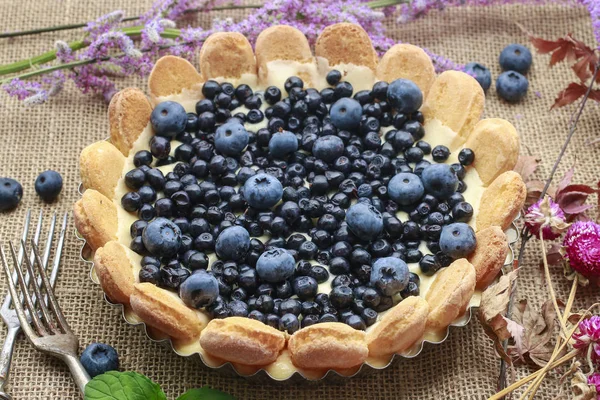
(511, 85)
(318, 180)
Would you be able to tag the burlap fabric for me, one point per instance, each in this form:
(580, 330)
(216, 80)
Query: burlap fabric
(51, 137)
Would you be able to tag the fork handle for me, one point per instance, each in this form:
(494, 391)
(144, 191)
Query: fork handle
(6, 358)
(80, 375)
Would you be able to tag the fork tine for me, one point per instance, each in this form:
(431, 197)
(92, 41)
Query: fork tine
(59, 249)
(29, 332)
(64, 325)
(25, 291)
(36, 289)
(24, 236)
(8, 299)
(48, 247)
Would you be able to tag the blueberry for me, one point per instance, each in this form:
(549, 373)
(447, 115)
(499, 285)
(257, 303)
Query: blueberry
(333, 77)
(162, 237)
(364, 221)
(199, 290)
(405, 188)
(11, 192)
(389, 275)
(262, 191)
(233, 243)
(328, 148)
(511, 86)
(515, 57)
(457, 240)
(168, 119)
(466, 156)
(405, 96)
(346, 114)
(289, 323)
(283, 143)
(275, 265)
(99, 358)
(231, 138)
(305, 287)
(439, 180)
(480, 73)
(160, 147)
(48, 185)
(341, 297)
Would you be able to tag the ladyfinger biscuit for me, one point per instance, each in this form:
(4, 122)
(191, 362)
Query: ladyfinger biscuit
(114, 271)
(226, 55)
(407, 62)
(96, 218)
(489, 255)
(328, 345)
(100, 166)
(495, 142)
(128, 114)
(399, 328)
(165, 311)
(346, 43)
(242, 340)
(171, 75)
(501, 201)
(283, 43)
(457, 100)
(450, 293)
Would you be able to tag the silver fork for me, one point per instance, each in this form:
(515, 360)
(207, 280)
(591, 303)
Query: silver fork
(7, 311)
(46, 328)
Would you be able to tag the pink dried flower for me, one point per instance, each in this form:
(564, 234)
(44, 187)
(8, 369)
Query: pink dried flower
(594, 380)
(582, 248)
(547, 216)
(588, 334)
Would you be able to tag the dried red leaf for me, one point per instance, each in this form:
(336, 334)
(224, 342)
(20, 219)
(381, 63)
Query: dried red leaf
(584, 68)
(568, 96)
(544, 46)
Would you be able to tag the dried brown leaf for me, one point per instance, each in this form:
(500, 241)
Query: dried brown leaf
(526, 166)
(494, 301)
(554, 255)
(539, 331)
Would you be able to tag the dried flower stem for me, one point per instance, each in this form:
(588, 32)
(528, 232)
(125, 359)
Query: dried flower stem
(563, 319)
(551, 364)
(549, 283)
(532, 376)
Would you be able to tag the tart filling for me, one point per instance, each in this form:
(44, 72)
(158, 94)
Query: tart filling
(353, 239)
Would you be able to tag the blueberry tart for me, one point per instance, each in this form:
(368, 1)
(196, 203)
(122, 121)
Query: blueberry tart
(299, 212)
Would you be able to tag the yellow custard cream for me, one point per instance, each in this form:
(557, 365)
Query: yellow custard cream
(435, 133)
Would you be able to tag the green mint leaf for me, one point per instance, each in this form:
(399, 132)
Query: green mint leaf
(115, 385)
(205, 393)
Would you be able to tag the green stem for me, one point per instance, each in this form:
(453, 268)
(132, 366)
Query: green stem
(128, 19)
(75, 64)
(41, 59)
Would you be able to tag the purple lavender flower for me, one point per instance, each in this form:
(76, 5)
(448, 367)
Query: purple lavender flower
(546, 216)
(593, 7)
(104, 24)
(582, 248)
